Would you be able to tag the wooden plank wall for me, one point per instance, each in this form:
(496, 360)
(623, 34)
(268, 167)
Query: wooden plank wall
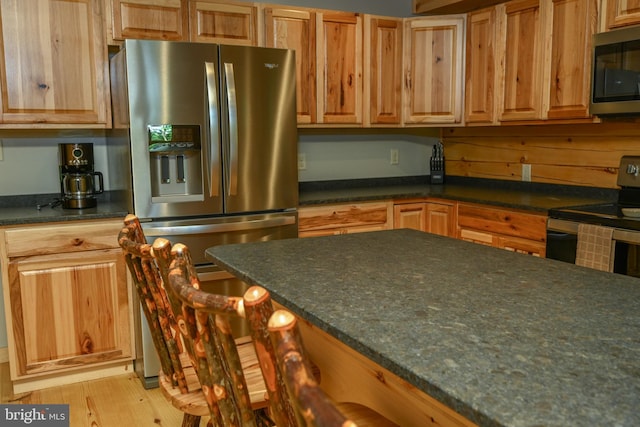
(578, 154)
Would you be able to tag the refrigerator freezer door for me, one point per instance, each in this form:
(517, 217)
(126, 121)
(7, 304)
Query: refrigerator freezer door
(168, 98)
(259, 129)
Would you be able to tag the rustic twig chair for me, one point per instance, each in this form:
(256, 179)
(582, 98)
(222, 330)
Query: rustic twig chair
(204, 322)
(313, 408)
(179, 379)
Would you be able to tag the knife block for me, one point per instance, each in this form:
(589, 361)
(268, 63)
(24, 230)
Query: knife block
(437, 170)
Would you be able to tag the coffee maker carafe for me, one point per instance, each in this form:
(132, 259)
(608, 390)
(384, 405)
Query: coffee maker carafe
(77, 177)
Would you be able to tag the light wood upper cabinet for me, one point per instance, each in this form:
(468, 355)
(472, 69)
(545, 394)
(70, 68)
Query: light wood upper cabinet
(67, 299)
(524, 41)
(621, 13)
(482, 62)
(433, 75)
(573, 24)
(211, 21)
(296, 29)
(439, 7)
(223, 22)
(339, 60)
(383, 73)
(150, 19)
(528, 60)
(54, 67)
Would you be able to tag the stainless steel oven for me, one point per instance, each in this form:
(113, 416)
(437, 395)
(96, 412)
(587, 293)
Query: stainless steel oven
(623, 217)
(562, 241)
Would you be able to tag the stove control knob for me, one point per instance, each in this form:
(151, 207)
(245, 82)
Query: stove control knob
(633, 169)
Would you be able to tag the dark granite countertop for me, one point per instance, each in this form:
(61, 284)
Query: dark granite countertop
(19, 210)
(505, 339)
(511, 194)
(16, 210)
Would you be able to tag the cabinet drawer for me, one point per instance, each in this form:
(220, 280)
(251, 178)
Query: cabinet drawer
(502, 221)
(340, 216)
(51, 239)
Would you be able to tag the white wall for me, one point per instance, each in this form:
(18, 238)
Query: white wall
(30, 160)
(354, 155)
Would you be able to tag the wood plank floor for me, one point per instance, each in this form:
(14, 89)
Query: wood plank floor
(119, 401)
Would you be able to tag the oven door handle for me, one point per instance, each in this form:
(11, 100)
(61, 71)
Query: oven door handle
(218, 228)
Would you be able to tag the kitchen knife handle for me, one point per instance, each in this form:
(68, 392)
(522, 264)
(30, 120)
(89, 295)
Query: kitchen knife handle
(214, 129)
(233, 128)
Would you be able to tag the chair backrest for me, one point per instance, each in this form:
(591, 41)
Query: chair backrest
(153, 299)
(258, 309)
(313, 407)
(203, 320)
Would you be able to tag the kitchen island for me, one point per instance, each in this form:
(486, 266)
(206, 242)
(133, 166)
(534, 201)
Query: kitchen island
(501, 338)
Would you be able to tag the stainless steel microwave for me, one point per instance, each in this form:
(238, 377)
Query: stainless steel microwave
(615, 86)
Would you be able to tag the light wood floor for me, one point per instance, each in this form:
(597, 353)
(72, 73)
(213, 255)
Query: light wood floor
(119, 401)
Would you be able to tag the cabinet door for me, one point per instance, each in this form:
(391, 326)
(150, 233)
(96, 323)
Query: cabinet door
(481, 93)
(223, 22)
(296, 29)
(410, 215)
(383, 75)
(69, 311)
(523, 61)
(150, 19)
(621, 13)
(340, 67)
(441, 219)
(433, 70)
(574, 23)
(54, 67)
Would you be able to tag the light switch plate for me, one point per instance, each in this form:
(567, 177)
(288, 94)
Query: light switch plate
(526, 172)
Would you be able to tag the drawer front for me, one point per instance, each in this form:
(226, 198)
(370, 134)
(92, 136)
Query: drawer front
(503, 221)
(340, 216)
(72, 237)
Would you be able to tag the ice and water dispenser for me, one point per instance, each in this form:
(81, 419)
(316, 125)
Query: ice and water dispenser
(175, 158)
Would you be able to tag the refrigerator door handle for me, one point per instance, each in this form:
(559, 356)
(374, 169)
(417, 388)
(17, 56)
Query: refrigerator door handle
(214, 126)
(219, 228)
(233, 128)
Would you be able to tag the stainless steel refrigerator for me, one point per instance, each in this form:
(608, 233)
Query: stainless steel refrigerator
(210, 134)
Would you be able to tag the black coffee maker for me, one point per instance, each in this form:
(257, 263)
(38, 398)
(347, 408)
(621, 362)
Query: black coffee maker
(77, 177)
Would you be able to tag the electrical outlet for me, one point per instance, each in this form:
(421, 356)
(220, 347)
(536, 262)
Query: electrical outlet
(526, 172)
(394, 157)
(302, 161)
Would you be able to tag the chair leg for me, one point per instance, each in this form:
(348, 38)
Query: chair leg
(190, 420)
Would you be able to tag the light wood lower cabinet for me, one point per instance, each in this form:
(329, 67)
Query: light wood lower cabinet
(67, 301)
(437, 217)
(508, 229)
(348, 376)
(326, 220)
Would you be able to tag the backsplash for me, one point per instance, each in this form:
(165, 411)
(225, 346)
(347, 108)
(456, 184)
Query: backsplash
(581, 154)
